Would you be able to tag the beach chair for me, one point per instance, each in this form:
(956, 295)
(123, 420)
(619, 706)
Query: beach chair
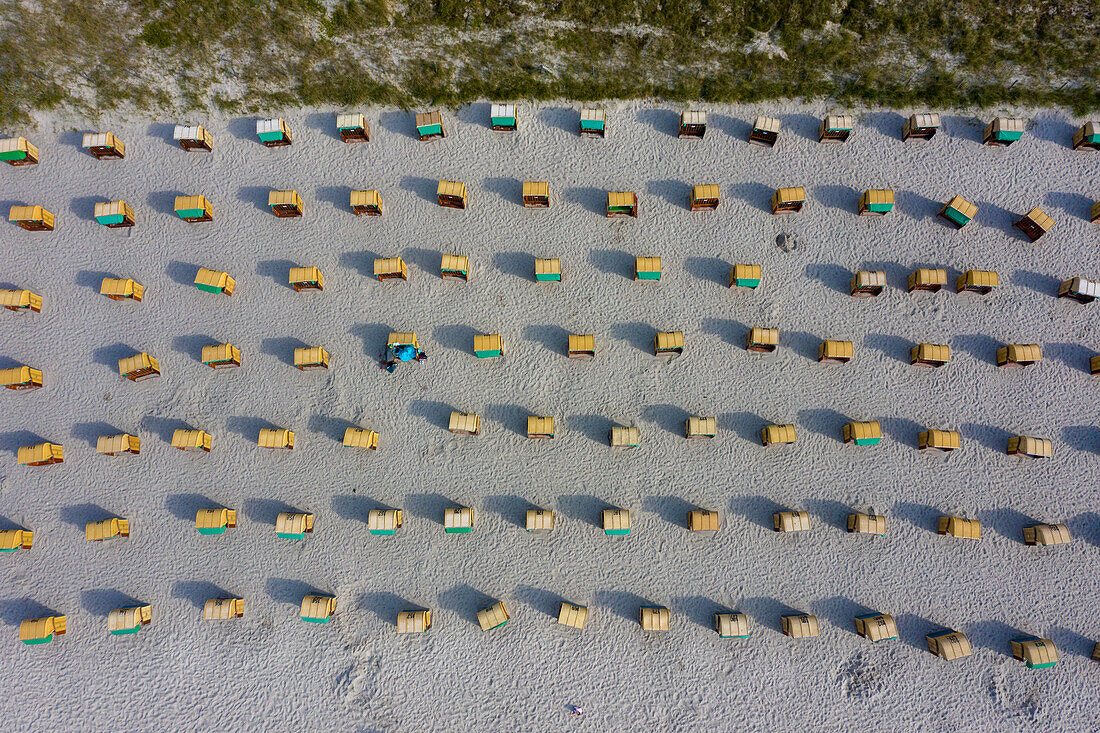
(876, 202)
(429, 125)
(42, 454)
(123, 621)
(1044, 535)
(982, 282)
(139, 367)
(458, 520)
(540, 427)
(548, 270)
(572, 615)
(285, 204)
(389, 268)
(317, 609)
(671, 342)
(763, 340)
(862, 433)
(414, 622)
(1085, 137)
(21, 301)
(536, 194)
(1035, 223)
(835, 352)
(121, 289)
(593, 122)
(745, 276)
(625, 437)
(192, 440)
(788, 200)
(214, 281)
(488, 346)
(622, 204)
(867, 283)
(20, 378)
(32, 218)
(703, 197)
(693, 124)
(193, 209)
(938, 441)
(451, 194)
(654, 618)
(361, 438)
(310, 358)
(41, 630)
(118, 445)
(384, 521)
(293, 525)
(700, 427)
(17, 151)
(106, 529)
(221, 356)
(215, 521)
(834, 129)
(306, 278)
(647, 268)
(273, 133)
(366, 203)
(731, 625)
(276, 438)
(876, 627)
(930, 279)
(193, 138)
(777, 434)
(502, 117)
(704, 522)
(860, 523)
(1034, 652)
(103, 145)
(800, 625)
(1080, 289)
(540, 521)
(455, 267)
(13, 540)
(1003, 131)
(968, 529)
(921, 126)
(1019, 355)
(948, 644)
(791, 521)
(353, 128)
(113, 214)
(581, 346)
(765, 131)
(1029, 447)
(615, 521)
(222, 609)
(958, 212)
(493, 617)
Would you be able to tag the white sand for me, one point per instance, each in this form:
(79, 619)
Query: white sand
(270, 670)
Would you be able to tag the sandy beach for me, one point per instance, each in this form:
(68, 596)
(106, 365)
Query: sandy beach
(269, 670)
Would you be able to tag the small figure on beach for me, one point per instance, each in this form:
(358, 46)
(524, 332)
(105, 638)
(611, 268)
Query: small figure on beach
(400, 352)
(575, 710)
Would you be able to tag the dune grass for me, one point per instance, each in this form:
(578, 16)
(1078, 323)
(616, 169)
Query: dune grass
(251, 55)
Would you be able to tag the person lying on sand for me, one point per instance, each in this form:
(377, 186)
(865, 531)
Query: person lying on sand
(401, 352)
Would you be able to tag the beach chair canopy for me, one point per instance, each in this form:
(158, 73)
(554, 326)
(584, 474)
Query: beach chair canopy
(654, 618)
(493, 616)
(800, 625)
(571, 615)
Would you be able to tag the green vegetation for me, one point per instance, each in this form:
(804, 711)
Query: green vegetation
(249, 55)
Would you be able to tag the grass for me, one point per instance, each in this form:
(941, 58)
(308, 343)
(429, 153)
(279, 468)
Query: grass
(94, 56)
